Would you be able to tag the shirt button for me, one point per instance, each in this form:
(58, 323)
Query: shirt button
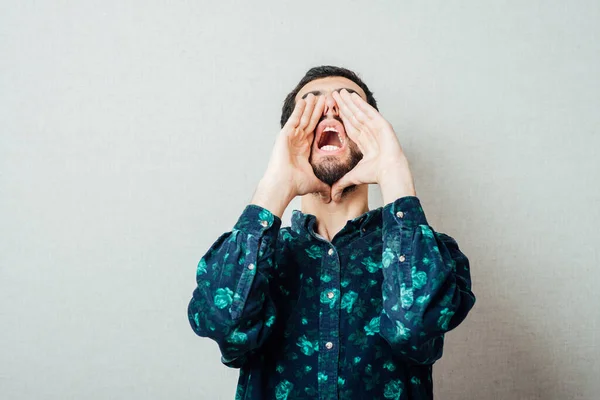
(330, 252)
(399, 214)
(329, 345)
(330, 295)
(250, 267)
(264, 223)
(402, 258)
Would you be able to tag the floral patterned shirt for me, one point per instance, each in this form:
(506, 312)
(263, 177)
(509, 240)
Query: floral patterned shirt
(360, 317)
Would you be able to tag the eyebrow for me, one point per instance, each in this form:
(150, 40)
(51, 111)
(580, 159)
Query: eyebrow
(318, 92)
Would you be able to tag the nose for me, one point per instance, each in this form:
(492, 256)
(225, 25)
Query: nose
(330, 106)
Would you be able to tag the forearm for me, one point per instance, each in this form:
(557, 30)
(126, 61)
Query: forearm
(273, 195)
(423, 294)
(396, 181)
(427, 285)
(231, 303)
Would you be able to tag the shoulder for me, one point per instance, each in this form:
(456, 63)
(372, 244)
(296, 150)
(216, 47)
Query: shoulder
(446, 238)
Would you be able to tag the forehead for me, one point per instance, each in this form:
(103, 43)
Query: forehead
(329, 84)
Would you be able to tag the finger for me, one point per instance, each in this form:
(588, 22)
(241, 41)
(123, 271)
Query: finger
(294, 119)
(354, 133)
(363, 136)
(306, 114)
(345, 112)
(365, 107)
(316, 115)
(375, 119)
(325, 193)
(357, 113)
(346, 117)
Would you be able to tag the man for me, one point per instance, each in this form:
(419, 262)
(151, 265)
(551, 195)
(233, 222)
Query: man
(346, 303)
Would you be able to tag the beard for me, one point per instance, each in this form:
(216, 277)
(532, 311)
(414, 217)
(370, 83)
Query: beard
(331, 169)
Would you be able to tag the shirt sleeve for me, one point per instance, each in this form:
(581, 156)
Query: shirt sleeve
(231, 303)
(426, 286)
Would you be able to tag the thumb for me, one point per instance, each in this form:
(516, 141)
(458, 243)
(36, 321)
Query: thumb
(324, 191)
(347, 180)
(321, 188)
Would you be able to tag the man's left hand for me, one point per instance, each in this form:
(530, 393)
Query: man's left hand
(383, 161)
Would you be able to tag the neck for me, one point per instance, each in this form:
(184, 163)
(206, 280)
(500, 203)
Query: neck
(332, 217)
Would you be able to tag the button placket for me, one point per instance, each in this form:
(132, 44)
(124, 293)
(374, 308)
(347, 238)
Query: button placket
(329, 323)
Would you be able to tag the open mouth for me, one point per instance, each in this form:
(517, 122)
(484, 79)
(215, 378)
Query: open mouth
(331, 136)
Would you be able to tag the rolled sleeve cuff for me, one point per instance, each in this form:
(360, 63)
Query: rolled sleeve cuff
(405, 212)
(256, 220)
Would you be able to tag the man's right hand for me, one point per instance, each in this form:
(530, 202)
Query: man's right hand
(289, 173)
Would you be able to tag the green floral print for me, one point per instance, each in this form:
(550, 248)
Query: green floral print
(362, 316)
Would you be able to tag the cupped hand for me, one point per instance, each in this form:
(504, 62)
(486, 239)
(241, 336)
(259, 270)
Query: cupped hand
(376, 139)
(289, 165)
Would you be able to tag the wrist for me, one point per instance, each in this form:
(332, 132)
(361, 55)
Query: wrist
(396, 183)
(273, 196)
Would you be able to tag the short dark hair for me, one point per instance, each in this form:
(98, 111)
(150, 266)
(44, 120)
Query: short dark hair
(323, 71)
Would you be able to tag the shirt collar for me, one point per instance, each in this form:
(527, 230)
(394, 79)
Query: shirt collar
(302, 223)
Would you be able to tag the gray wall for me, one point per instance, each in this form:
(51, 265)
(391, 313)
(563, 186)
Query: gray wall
(134, 133)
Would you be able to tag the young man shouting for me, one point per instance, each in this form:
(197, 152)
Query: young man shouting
(347, 303)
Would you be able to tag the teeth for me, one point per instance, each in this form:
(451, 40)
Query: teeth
(330, 128)
(330, 148)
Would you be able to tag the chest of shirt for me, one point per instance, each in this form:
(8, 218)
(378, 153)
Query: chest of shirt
(313, 277)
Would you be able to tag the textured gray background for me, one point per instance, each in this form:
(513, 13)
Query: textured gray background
(134, 133)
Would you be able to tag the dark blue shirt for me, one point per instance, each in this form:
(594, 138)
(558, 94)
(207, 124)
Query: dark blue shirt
(360, 317)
